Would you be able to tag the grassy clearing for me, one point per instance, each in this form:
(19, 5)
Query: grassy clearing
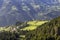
(33, 25)
(9, 28)
(5, 29)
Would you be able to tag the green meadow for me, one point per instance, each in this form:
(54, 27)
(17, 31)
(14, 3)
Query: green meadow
(33, 25)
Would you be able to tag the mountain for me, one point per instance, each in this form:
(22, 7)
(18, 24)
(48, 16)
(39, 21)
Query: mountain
(47, 31)
(21, 10)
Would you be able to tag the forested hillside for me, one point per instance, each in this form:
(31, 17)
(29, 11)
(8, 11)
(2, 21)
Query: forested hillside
(47, 31)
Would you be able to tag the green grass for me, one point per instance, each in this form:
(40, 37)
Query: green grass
(33, 25)
(6, 28)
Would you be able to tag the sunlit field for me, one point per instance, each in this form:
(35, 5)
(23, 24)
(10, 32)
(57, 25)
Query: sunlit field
(33, 25)
(9, 28)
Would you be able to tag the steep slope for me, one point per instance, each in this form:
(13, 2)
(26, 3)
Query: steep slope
(48, 31)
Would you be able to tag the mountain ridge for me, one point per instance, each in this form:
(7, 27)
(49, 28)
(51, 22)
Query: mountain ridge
(22, 10)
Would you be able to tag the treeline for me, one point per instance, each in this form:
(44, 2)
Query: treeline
(6, 35)
(13, 35)
(14, 32)
(47, 31)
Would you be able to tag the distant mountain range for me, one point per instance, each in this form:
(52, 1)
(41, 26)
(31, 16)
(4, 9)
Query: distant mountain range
(24, 10)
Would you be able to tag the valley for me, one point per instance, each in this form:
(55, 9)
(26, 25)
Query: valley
(29, 19)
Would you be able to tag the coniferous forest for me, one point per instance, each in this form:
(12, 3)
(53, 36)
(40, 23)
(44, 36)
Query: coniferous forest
(47, 31)
(29, 19)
